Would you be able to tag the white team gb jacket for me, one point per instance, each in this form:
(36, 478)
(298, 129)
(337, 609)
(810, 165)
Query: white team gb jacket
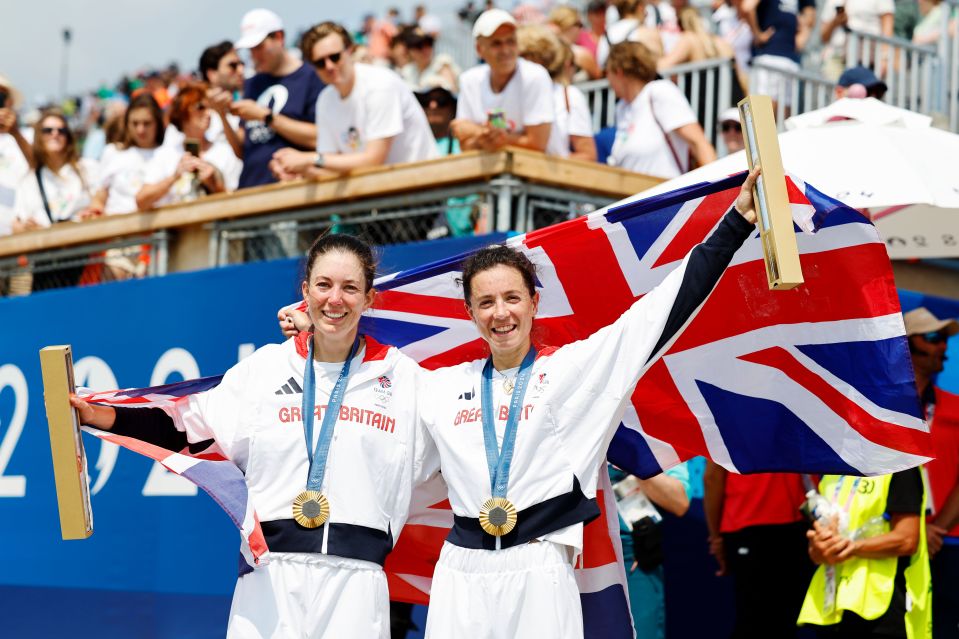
(376, 454)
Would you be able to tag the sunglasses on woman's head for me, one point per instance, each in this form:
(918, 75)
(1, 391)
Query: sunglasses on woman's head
(50, 130)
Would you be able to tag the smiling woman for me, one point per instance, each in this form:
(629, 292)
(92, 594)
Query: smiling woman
(522, 457)
(318, 492)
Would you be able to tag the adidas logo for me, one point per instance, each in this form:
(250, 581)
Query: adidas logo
(468, 395)
(291, 387)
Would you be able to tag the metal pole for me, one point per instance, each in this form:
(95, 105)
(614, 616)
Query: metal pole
(64, 67)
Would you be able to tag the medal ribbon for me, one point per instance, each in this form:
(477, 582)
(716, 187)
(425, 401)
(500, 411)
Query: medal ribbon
(318, 457)
(498, 461)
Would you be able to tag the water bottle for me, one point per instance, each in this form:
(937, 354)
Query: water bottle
(873, 527)
(817, 508)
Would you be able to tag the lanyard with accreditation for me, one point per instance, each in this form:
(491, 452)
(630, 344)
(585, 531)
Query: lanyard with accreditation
(830, 586)
(311, 508)
(498, 514)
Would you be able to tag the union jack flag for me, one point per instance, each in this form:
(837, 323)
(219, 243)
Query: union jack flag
(815, 379)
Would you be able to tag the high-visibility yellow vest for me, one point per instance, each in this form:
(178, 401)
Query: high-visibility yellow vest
(865, 586)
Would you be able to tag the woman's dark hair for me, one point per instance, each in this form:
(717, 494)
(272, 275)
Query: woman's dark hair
(144, 101)
(496, 255)
(347, 244)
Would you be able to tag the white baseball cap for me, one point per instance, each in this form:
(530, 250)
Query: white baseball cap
(491, 20)
(255, 26)
(729, 115)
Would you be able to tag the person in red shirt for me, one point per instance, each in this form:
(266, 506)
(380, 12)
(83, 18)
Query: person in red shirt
(927, 345)
(758, 535)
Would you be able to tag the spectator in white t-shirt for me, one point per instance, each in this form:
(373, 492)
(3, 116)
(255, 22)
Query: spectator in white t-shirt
(60, 186)
(14, 153)
(122, 165)
(656, 129)
(222, 68)
(366, 116)
(572, 132)
(516, 92)
(634, 25)
(201, 167)
(874, 17)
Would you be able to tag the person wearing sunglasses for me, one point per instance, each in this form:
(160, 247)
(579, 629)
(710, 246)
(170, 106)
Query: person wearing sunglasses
(199, 167)
(424, 64)
(278, 108)
(60, 185)
(731, 130)
(221, 67)
(366, 116)
(928, 343)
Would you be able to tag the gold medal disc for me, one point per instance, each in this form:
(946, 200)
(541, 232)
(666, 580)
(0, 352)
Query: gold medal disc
(311, 509)
(497, 516)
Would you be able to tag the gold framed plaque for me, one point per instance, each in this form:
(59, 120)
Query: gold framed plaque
(778, 237)
(66, 444)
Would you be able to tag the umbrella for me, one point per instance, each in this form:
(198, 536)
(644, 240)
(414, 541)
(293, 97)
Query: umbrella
(905, 179)
(866, 110)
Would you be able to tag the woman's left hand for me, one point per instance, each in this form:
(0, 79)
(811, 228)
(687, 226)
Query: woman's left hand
(745, 205)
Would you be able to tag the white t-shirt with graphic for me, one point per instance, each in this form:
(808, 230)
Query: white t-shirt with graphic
(572, 118)
(526, 100)
(380, 106)
(68, 192)
(641, 143)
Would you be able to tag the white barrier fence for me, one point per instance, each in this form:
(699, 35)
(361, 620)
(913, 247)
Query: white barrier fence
(707, 84)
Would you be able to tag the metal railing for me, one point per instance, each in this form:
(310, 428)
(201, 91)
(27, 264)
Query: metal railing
(948, 80)
(84, 265)
(796, 92)
(503, 203)
(909, 70)
(708, 85)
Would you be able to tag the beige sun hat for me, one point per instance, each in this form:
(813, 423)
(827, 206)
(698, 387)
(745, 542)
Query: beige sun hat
(921, 320)
(16, 98)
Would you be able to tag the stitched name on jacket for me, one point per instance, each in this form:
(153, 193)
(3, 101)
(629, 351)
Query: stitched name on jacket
(372, 418)
(476, 414)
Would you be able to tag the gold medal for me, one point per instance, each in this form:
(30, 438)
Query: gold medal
(311, 509)
(497, 516)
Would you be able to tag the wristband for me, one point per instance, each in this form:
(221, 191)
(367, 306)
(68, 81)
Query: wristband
(268, 120)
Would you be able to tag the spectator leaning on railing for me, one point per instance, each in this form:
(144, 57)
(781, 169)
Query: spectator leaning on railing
(279, 105)
(221, 68)
(572, 132)
(656, 129)
(14, 153)
(366, 115)
(122, 166)
(200, 167)
(508, 100)
(60, 186)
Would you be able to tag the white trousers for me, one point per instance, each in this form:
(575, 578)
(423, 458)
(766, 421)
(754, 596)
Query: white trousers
(307, 596)
(524, 591)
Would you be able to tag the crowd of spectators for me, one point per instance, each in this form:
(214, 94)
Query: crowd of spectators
(273, 106)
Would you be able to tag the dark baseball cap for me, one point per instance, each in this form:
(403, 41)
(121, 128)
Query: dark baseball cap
(861, 75)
